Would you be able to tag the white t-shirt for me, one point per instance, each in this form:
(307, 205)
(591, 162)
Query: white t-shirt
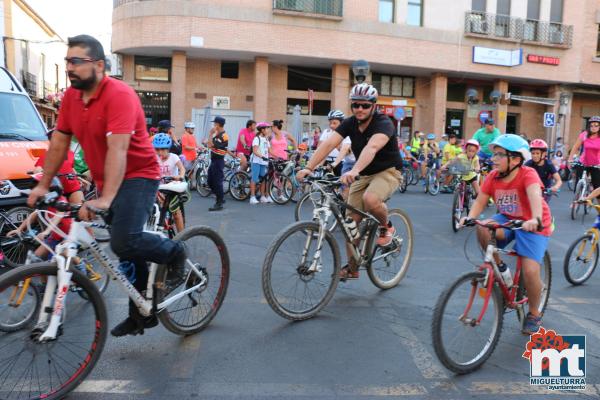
(324, 136)
(350, 158)
(168, 167)
(263, 147)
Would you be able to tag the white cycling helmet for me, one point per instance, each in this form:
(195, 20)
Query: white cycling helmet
(336, 114)
(364, 91)
(189, 125)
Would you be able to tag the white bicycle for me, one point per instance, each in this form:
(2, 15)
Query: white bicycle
(54, 357)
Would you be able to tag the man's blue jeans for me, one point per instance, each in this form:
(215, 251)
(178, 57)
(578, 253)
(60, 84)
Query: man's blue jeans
(129, 213)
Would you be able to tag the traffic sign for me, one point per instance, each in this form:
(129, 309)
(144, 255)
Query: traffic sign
(549, 120)
(483, 115)
(399, 113)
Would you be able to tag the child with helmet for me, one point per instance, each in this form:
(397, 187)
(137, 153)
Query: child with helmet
(170, 166)
(469, 158)
(517, 191)
(544, 167)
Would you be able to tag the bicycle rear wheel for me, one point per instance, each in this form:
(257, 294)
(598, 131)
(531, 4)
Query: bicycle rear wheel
(458, 208)
(546, 276)
(202, 183)
(434, 184)
(579, 193)
(14, 248)
(94, 272)
(18, 306)
(460, 343)
(389, 265)
(405, 180)
(296, 285)
(239, 186)
(52, 369)
(581, 259)
(280, 189)
(194, 311)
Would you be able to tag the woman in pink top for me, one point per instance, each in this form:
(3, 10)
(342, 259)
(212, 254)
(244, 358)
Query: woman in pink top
(590, 139)
(279, 140)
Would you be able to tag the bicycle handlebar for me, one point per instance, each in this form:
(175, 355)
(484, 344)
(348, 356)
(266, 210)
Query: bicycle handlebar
(512, 225)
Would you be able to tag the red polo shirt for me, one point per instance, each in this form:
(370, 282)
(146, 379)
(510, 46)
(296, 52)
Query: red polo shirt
(114, 109)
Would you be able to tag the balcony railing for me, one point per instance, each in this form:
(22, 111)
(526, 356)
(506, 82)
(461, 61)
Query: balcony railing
(331, 8)
(503, 27)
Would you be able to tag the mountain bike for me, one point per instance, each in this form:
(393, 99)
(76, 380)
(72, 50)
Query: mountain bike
(172, 195)
(463, 196)
(468, 315)
(301, 269)
(432, 182)
(53, 358)
(582, 190)
(581, 258)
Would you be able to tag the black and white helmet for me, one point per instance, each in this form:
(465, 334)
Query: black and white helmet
(336, 114)
(364, 91)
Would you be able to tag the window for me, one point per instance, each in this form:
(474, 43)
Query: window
(533, 9)
(598, 45)
(153, 68)
(156, 105)
(320, 107)
(415, 13)
(503, 7)
(230, 70)
(18, 117)
(303, 78)
(556, 11)
(478, 5)
(456, 92)
(388, 85)
(503, 18)
(386, 10)
(530, 29)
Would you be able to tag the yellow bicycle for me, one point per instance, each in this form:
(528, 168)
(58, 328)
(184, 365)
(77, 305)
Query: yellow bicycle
(582, 257)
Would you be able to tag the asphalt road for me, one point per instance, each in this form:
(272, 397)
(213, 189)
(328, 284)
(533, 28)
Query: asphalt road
(365, 344)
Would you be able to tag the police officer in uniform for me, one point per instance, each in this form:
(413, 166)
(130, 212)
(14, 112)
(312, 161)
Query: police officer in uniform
(217, 143)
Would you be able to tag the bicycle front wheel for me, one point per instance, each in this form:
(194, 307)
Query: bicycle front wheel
(297, 280)
(53, 368)
(389, 265)
(434, 183)
(581, 259)
(458, 209)
(461, 344)
(193, 312)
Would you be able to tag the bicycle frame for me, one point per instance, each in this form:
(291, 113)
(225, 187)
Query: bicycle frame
(490, 268)
(330, 207)
(79, 237)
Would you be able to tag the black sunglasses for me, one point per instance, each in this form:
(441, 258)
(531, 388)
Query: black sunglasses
(78, 60)
(364, 106)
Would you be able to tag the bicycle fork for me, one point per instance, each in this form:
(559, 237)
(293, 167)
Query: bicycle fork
(58, 285)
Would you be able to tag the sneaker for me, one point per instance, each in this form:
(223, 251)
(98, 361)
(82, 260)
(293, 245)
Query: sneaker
(532, 324)
(265, 199)
(131, 326)
(176, 271)
(216, 207)
(253, 200)
(386, 234)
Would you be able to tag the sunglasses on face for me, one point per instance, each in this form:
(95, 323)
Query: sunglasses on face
(364, 106)
(78, 60)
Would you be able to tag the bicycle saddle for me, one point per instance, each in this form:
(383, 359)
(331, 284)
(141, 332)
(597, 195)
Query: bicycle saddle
(175, 187)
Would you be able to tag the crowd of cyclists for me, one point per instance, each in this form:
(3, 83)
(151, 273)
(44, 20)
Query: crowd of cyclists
(362, 149)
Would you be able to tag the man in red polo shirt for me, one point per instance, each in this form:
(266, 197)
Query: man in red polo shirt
(107, 118)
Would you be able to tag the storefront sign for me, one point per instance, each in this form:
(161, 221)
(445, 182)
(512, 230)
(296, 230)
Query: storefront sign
(221, 102)
(455, 122)
(534, 58)
(399, 103)
(504, 58)
(483, 115)
(391, 110)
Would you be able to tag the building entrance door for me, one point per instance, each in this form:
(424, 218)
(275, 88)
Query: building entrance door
(454, 122)
(512, 123)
